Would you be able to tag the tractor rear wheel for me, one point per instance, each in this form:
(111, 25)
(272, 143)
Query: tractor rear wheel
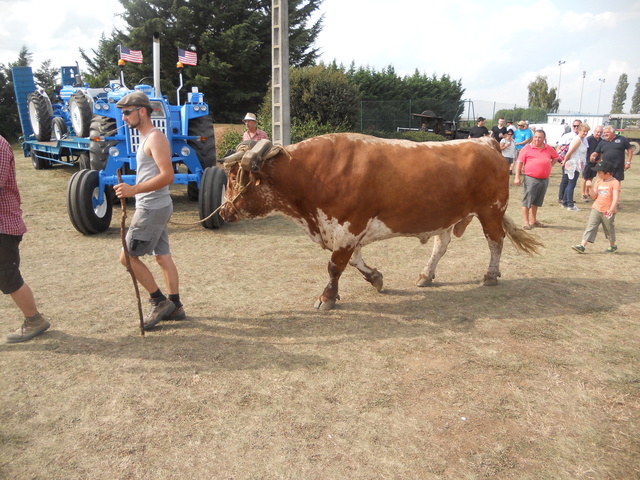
(60, 129)
(40, 114)
(101, 127)
(635, 146)
(82, 193)
(83, 161)
(212, 188)
(80, 111)
(205, 150)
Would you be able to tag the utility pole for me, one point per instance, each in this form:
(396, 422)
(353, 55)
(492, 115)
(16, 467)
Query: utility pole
(601, 80)
(560, 63)
(281, 111)
(584, 74)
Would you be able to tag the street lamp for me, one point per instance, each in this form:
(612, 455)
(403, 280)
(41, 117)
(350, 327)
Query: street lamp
(560, 63)
(584, 74)
(601, 80)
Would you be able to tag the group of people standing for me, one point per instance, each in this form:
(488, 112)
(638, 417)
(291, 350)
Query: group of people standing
(599, 159)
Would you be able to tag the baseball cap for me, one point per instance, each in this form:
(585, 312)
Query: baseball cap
(604, 166)
(135, 99)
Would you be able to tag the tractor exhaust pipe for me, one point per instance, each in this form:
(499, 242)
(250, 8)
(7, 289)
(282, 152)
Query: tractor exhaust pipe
(156, 64)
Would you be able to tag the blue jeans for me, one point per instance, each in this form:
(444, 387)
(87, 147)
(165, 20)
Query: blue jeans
(570, 186)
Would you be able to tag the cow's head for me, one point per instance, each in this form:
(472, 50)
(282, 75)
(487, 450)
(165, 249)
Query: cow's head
(248, 193)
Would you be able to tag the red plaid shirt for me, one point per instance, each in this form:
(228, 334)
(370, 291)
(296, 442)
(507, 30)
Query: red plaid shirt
(10, 214)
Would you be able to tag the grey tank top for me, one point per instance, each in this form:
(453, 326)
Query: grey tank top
(147, 169)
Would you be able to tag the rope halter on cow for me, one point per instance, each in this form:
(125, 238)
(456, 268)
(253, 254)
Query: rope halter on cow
(250, 157)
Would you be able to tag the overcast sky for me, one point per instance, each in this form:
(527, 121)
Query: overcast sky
(495, 48)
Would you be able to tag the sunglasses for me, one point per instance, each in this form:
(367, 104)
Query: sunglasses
(126, 113)
(576, 126)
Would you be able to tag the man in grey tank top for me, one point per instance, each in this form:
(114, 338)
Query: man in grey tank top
(148, 233)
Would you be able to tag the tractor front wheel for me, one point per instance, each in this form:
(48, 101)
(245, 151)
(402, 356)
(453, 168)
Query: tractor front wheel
(212, 188)
(86, 215)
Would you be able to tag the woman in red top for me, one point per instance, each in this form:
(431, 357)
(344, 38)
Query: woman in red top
(534, 162)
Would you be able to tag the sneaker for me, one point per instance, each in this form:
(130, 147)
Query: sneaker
(158, 312)
(177, 314)
(29, 329)
(579, 248)
(574, 209)
(611, 249)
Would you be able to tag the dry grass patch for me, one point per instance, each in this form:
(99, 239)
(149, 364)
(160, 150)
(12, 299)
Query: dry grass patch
(536, 378)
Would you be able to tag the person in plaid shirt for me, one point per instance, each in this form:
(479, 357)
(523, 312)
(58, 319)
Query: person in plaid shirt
(11, 230)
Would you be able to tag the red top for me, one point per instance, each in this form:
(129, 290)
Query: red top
(10, 214)
(537, 162)
(259, 135)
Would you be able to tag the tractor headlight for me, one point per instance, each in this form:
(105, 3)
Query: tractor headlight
(196, 108)
(185, 151)
(114, 152)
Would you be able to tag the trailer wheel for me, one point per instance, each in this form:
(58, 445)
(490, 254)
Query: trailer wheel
(83, 161)
(39, 163)
(40, 113)
(212, 188)
(206, 151)
(101, 127)
(60, 129)
(82, 191)
(635, 147)
(80, 111)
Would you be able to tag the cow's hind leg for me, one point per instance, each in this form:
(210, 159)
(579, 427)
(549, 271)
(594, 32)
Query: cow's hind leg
(337, 264)
(371, 275)
(494, 233)
(440, 245)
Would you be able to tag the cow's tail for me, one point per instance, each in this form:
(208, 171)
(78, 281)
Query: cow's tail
(522, 239)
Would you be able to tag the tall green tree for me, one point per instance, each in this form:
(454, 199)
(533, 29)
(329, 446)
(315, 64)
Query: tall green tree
(620, 95)
(232, 40)
(635, 100)
(541, 96)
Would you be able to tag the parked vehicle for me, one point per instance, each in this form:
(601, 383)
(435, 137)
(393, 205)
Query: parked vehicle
(627, 125)
(110, 145)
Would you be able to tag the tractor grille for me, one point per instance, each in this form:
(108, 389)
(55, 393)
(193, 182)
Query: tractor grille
(134, 134)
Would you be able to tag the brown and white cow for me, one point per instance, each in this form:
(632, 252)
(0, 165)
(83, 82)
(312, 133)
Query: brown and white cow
(349, 190)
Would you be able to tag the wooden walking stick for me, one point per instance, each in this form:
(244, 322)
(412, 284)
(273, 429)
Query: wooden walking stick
(123, 205)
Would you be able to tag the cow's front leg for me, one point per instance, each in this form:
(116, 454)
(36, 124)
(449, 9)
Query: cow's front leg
(440, 245)
(337, 264)
(371, 275)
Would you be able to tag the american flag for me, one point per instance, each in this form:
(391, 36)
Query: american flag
(134, 56)
(186, 57)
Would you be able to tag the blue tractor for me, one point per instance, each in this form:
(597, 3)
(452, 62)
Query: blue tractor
(113, 147)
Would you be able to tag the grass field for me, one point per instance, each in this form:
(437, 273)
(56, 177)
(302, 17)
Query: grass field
(536, 378)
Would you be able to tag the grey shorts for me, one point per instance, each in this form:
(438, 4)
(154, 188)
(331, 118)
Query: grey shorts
(534, 191)
(148, 233)
(10, 277)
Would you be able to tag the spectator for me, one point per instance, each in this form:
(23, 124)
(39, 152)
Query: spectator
(510, 125)
(498, 131)
(574, 163)
(534, 162)
(588, 173)
(12, 228)
(508, 149)
(522, 136)
(612, 149)
(605, 193)
(562, 148)
(253, 132)
(479, 130)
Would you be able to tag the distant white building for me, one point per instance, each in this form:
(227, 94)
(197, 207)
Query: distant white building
(591, 119)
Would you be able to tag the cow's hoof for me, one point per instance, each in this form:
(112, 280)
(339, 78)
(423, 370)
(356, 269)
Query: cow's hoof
(326, 305)
(490, 281)
(378, 282)
(424, 281)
